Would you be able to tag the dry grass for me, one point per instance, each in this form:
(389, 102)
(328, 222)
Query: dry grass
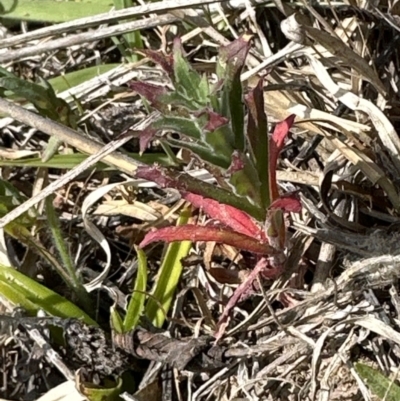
(336, 67)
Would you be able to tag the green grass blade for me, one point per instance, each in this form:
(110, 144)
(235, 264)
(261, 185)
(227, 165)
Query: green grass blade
(133, 40)
(75, 78)
(31, 295)
(69, 161)
(136, 304)
(168, 279)
(379, 385)
(67, 263)
(53, 10)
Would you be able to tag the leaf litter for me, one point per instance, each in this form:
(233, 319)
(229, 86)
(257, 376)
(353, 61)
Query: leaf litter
(295, 335)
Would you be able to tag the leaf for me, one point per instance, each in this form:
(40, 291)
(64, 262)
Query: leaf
(276, 144)
(229, 67)
(194, 233)
(68, 161)
(241, 292)
(26, 292)
(168, 178)
(184, 126)
(146, 136)
(53, 10)
(257, 136)
(232, 217)
(150, 92)
(136, 303)
(117, 324)
(220, 142)
(109, 390)
(133, 40)
(67, 264)
(62, 83)
(287, 203)
(186, 80)
(179, 100)
(205, 153)
(166, 62)
(244, 178)
(215, 121)
(168, 277)
(380, 385)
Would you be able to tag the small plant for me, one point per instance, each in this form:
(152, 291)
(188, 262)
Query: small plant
(246, 207)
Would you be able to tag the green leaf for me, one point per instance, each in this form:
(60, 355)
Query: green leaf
(42, 96)
(205, 153)
(136, 304)
(380, 385)
(26, 292)
(179, 100)
(167, 178)
(184, 126)
(109, 390)
(75, 78)
(67, 264)
(220, 141)
(257, 137)
(168, 278)
(244, 180)
(229, 67)
(10, 198)
(187, 80)
(117, 323)
(53, 10)
(69, 161)
(133, 40)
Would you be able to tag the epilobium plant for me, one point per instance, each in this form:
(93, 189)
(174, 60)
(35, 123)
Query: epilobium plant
(210, 121)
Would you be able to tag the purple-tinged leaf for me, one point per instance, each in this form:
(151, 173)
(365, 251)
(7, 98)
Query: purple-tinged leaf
(257, 135)
(194, 233)
(235, 54)
(215, 121)
(183, 182)
(237, 162)
(166, 62)
(276, 144)
(150, 92)
(159, 175)
(243, 290)
(230, 216)
(145, 137)
(288, 203)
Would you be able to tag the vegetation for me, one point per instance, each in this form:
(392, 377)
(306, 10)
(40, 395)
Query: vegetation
(212, 191)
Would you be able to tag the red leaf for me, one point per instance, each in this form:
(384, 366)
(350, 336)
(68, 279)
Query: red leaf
(287, 203)
(237, 220)
(240, 293)
(276, 144)
(194, 233)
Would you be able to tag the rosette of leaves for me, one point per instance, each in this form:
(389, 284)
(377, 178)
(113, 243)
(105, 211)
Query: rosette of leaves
(211, 122)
